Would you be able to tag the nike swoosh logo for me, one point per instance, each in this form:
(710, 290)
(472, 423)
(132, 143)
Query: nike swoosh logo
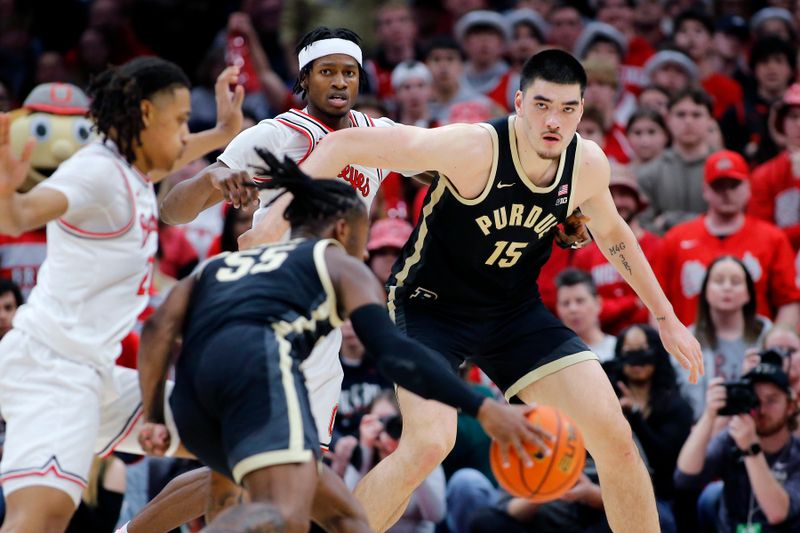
(503, 185)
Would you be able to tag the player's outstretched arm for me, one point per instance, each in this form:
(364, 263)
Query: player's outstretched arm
(619, 245)
(158, 339)
(229, 123)
(415, 367)
(210, 186)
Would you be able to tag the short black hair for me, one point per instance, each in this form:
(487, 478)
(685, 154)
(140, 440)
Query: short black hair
(316, 202)
(696, 95)
(117, 93)
(569, 277)
(6, 285)
(319, 34)
(443, 42)
(555, 66)
(696, 15)
(767, 47)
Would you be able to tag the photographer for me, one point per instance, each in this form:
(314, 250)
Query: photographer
(757, 457)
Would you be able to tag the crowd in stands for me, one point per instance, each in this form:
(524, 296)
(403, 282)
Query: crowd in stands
(695, 103)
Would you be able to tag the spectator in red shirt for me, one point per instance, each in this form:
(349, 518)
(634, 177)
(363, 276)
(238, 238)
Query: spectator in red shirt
(694, 34)
(688, 248)
(671, 71)
(776, 183)
(621, 307)
(602, 92)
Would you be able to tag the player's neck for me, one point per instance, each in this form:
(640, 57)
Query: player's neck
(333, 122)
(140, 161)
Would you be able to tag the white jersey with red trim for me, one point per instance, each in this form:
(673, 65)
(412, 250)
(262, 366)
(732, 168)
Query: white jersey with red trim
(95, 280)
(295, 134)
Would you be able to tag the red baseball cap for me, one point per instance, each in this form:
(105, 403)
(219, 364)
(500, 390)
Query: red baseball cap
(726, 164)
(389, 233)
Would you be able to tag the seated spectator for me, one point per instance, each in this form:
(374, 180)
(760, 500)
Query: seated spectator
(484, 36)
(361, 384)
(603, 42)
(724, 229)
(658, 414)
(621, 306)
(528, 35)
(396, 32)
(648, 136)
(775, 21)
(10, 300)
(655, 98)
(731, 40)
(772, 62)
(578, 306)
(453, 100)
(379, 435)
(673, 182)
(603, 92)
(566, 25)
(775, 186)
(412, 84)
(693, 34)
(386, 239)
(672, 71)
(757, 456)
(621, 14)
(592, 126)
(726, 326)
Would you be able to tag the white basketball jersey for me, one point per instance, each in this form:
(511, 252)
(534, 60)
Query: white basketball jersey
(295, 134)
(96, 278)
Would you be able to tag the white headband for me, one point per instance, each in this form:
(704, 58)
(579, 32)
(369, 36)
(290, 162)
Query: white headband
(326, 47)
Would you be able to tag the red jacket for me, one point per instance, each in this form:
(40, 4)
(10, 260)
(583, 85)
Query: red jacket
(725, 92)
(621, 305)
(688, 249)
(776, 196)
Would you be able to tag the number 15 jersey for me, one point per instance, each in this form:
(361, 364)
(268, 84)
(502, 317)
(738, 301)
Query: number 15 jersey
(486, 253)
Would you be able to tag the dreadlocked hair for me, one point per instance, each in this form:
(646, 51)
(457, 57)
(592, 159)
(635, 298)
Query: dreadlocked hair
(318, 34)
(116, 95)
(316, 203)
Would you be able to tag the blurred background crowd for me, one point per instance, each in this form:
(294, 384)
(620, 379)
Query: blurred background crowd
(695, 103)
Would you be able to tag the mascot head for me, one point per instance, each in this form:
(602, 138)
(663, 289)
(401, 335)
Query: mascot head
(55, 115)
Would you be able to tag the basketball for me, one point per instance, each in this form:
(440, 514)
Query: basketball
(550, 476)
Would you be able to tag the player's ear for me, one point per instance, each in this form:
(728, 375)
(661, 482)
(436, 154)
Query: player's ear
(518, 102)
(341, 231)
(146, 108)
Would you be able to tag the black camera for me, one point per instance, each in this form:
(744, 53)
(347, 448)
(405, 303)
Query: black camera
(740, 398)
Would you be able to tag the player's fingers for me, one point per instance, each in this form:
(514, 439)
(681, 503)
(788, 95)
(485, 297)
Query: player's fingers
(504, 456)
(238, 96)
(540, 439)
(523, 454)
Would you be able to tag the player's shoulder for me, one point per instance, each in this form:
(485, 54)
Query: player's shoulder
(93, 160)
(592, 161)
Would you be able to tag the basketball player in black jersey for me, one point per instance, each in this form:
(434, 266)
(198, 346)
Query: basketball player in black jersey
(248, 319)
(465, 284)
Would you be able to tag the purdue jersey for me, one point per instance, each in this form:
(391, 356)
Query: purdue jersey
(486, 253)
(284, 286)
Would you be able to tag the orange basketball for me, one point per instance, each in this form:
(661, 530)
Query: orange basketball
(550, 476)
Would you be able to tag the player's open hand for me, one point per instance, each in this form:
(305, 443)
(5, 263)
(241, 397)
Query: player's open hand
(575, 233)
(235, 185)
(13, 170)
(681, 345)
(154, 438)
(510, 427)
(229, 102)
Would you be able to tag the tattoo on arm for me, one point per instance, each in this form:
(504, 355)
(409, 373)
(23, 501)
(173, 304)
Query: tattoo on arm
(616, 249)
(661, 318)
(625, 263)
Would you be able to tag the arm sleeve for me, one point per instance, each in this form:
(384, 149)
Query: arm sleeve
(410, 364)
(88, 185)
(240, 153)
